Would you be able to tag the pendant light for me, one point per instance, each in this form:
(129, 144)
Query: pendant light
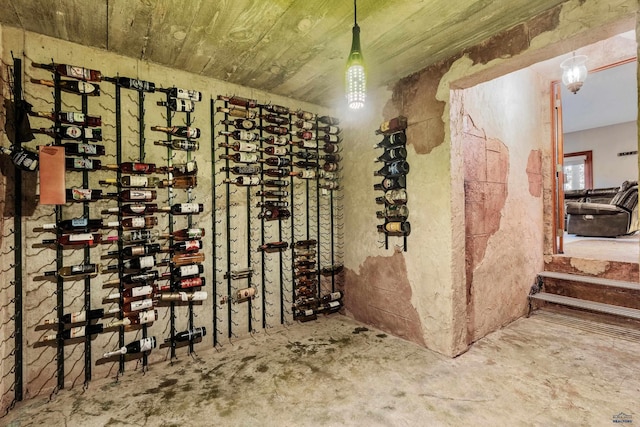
(574, 72)
(355, 77)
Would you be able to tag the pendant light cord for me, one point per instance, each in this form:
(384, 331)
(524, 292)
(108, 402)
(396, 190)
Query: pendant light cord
(355, 13)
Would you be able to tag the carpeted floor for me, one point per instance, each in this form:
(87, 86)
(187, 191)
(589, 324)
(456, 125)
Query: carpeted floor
(623, 248)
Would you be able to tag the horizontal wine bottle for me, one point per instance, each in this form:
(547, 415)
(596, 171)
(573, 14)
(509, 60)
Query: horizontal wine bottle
(69, 117)
(273, 246)
(305, 164)
(276, 161)
(184, 296)
(395, 227)
(242, 170)
(305, 243)
(332, 130)
(333, 158)
(179, 131)
(146, 276)
(306, 174)
(273, 204)
(86, 195)
(238, 112)
(136, 209)
(70, 240)
(304, 125)
(333, 296)
(272, 194)
(186, 258)
(275, 183)
(77, 332)
(394, 213)
(305, 115)
(306, 144)
(275, 130)
(331, 269)
(394, 169)
(187, 234)
(138, 263)
(184, 182)
(138, 318)
(135, 292)
(328, 120)
(276, 109)
(22, 158)
(274, 213)
(180, 144)
(179, 105)
(277, 140)
(304, 315)
(81, 164)
(243, 180)
(188, 335)
(189, 283)
(82, 149)
(135, 222)
(129, 308)
(137, 195)
(306, 135)
(333, 139)
(139, 346)
(189, 168)
(329, 185)
(72, 86)
(76, 225)
(75, 271)
(277, 173)
(393, 197)
(71, 132)
(241, 135)
(394, 125)
(187, 246)
(139, 250)
(72, 71)
(176, 92)
(332, 148)
(275, 150)
(131, 83)
(241, 157)
(187, 208)
(275, 119)
(395, 140)
(239, 123)
(133, 181)
(246, 147)
(76, 317)
(132, 167)
(239, 101)
(393, 154)
(187, 271)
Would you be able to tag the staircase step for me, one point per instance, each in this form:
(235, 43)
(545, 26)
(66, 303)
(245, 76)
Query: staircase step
(589, 279)
(587, 305)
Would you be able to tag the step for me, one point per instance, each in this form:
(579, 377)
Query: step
(590, 279)
(587, 305)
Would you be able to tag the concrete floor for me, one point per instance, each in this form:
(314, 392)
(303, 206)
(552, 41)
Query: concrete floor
(547, 370)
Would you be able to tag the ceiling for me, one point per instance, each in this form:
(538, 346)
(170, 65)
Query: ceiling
(295, 48)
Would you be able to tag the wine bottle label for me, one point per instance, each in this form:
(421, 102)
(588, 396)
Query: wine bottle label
(187, 208)
(79, 269)
(78, 316)
(334, 304)
(187, 94)
(279, 151)
(140, 167)
(76, 332)
(81, 194)
(304, 125)
(141, 290)
(142, 304)
(147, 344)
(278, 140)
(245, 124)
(72, 132)
(189, 270)
(247, 147)
(393, 227)
(247, 170)
(308, 144)
(24, 160)
(186, 145)
(140, 235)
(73, 117)
(81, 163)
(81, 237)
(140, 195)
(138, 222)
(84, 87)
(79, 222)
(78, 72)
(147, 316)
(191, 245)
(142, 277)
(248, 157)
(245, 293)
(137, 181)
(251, 180)
(308, 174)
(87, 149)
(190, 283)
(137, 209)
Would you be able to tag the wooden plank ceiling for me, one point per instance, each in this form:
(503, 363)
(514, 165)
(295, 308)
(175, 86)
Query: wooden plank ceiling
(295, 48)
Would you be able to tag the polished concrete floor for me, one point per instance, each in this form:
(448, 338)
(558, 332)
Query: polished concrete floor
(546, 370)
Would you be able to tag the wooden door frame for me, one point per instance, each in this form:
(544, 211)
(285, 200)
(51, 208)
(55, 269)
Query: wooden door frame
(588, 166)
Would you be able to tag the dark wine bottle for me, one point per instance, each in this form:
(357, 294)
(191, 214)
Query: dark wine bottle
(72, 86)
(275, 130)
(334, 139)
(273, 194)
(306, 164)
(392, 183)
(180, 105)
(76, 225)
(72, 71)
(139, 250)
(275, 119)
(187, 271)
(276, 109)
(328, 120)
(392, 126)
(131, 83)
(306, 155)
(305, 243)
(393, 154)
(275, 183)
(189, 334)
(81, 149)
(273, 246)
(136, 209)
(187, 246)
(239, 101)
(274, 213)
(273, 204)
(394, 140)
(277, 172)
(179, 131)
(243, 180)
(332, 130)
(147, 276)
(84, 195)
(276, 161)
(394, 169)
(242, 170)
(190, 283)
(67, 117)
(239, 123)
(22, 158)
(81, 164)
(187, 208)
(139, 346)
(71, 132)
(77, 317)
(75, 271)
(273, 150)
(176, 92)
(306, 135)
(241, 135)
(332, 148)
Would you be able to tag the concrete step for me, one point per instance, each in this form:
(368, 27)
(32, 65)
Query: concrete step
(631, 313)
(590, 279)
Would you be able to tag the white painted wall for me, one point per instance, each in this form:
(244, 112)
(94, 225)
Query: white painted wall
(609, 169)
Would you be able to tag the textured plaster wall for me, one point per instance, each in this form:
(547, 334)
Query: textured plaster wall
(39, 297)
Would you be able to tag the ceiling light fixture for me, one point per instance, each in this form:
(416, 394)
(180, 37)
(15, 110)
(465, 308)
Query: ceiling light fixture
(355, 77)
(574, 72)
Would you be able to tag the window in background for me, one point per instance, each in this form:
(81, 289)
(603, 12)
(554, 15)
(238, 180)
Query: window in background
(578, 171)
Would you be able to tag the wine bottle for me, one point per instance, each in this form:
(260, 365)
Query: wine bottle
(239, 101)
(77, 332)
(71, 132)
(186, 258)
(275, 130)
(68, 117)
(188, 335)
(391, 183)
(275, 183)
(238, 112)
(133, 181)
(129, 308)
(187, 246)
(72, 86)
(76, 317)
(305, 243)
(76, 225)
(332, 148)
(331, 167)
(334, 158)
(330, 176)
(137, 195)
(183, 182)
(394, 169)
(330, 307)
(75, 271)
(272, 193)
(190, 283)
(306, 174)
(273, 246)
(306, 135)
(132, 167)
(136, 209)
(392, 126)
(22, 158)
(395, 227)
(394, 140)
(240, 135)
(306, 144)
(274, 213)
(181, 169)
(332, 130)
(331, 185)
(176, 92)
(304, 315)
(273, 204)
(135, 222)
(135, 292)
(239, 123)
(276, 161)
(331, 269)
(306, 155)
(241, 157)
(180, 144)
(187, 234)
(243, 180)
(187, 208)
(244, 294)
(278, 173)
(184, 296)
(138, 250)
(393, 154)
(246, 147)
(147, 276)
(85, 195)
(139, 346)
(187, 271)
(328, 120)
(275, 119)
(334, 139)
(140, 236)
(72, 71)
(333, 296)
(81, 164)
(306, 164)
(305, 115)
(179, 105)
(179, 131)
(393, 197)
(275, 150)
(139, 263)
(82, 149)
(71, 240)
(242, 170)
(394, 213)
(131, 83)
(140, 318)
(276, 109)
(304, 125)
(277, 140)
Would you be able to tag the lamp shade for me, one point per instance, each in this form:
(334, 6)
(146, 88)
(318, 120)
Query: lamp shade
(355, 76)
(574, 72)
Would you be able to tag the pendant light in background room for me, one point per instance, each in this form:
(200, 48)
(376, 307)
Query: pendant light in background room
(355, 76)
(574, 72)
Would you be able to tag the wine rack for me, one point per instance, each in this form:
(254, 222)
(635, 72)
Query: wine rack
(394, 210)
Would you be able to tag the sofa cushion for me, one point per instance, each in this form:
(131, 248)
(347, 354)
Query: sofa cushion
(583, 208)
